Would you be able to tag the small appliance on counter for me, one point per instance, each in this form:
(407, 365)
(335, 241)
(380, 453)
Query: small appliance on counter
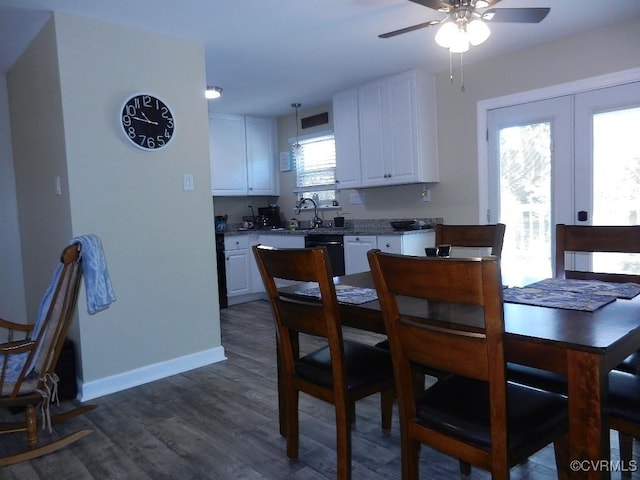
(221, 223)
(269, 217)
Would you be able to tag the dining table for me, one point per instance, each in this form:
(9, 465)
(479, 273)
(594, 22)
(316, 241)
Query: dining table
(583, 345)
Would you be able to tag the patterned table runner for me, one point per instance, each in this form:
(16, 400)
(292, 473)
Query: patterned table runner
(543, 297)
(591, 287)
(345, 294)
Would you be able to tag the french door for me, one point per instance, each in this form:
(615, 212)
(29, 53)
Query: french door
(574, 159)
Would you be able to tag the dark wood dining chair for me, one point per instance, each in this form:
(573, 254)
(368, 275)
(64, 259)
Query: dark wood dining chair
(450, 317)
(342, 371)
(475, 236)
(28, 360)
(478, 236)
(624, 393)
(592, 239)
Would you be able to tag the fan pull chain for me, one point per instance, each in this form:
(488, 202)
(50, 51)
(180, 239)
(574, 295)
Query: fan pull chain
(450, 67)
(461, 75)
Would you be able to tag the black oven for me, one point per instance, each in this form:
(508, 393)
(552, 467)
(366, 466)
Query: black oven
(222, 273)
(334, 245)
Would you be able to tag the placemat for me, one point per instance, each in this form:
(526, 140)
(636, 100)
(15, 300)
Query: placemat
(592, 287)
(345, 294)
(543, 297)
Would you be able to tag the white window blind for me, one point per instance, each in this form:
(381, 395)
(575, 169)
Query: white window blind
(316, 163)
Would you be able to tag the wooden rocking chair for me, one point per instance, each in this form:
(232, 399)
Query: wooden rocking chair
(27, 378)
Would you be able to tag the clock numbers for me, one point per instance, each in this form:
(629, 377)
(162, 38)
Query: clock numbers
(147, 122)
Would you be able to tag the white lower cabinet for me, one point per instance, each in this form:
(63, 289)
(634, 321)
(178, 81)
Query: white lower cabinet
(355, 252)
(237, 265)
(412, 244)
(278, 241)
(244, 282)
(357, 246)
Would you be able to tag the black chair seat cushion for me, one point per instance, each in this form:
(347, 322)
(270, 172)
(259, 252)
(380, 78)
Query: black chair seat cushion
(624, 388)
(366, 365)
(535, 377)
(631, 364)
(459, 407)
(624, 396)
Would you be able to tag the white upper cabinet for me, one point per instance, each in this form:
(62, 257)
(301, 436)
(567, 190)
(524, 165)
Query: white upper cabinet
(228, 151)
(243, 155)
(346, 133)
(396, 131)
(262, 175)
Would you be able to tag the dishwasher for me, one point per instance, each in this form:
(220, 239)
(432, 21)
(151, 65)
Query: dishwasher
(334, 245)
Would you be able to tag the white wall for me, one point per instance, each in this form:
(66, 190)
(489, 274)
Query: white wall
(158, 238)
(12, 306)
(39, 157)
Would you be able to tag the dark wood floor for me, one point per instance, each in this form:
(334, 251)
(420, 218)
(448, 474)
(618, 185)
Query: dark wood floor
(220, 422)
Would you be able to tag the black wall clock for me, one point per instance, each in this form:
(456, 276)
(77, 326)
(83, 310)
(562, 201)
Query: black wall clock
(147, 122)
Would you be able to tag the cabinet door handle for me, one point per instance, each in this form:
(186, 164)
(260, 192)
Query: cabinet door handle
(388, 245)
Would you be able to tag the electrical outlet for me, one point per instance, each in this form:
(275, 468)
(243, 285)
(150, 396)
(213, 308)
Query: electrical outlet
(356, 198)
(426, 194)
(58, 185)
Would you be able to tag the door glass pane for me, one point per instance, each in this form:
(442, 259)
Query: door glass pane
(616, 181)
(525, 202)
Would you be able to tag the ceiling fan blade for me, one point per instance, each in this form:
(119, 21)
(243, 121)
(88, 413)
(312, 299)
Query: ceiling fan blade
(409, 29)
(516, 15)
(448, 5)
(435, 4)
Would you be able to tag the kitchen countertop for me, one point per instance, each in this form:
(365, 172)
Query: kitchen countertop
(328, 231)
(354, 227)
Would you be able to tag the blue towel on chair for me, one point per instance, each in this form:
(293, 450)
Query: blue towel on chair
(15, 362)
(97, 282)
(99, 295)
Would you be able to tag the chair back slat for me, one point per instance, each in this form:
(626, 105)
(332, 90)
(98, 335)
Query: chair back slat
(489, 236)
(318, 317)
(445, 350)
(596, 238)
(304, 317)
(468, 286)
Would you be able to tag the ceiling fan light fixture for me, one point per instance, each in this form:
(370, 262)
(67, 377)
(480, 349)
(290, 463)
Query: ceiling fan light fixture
(446, 33)
(212, 92)
(459, 42)
(478, 32)
(482, 4)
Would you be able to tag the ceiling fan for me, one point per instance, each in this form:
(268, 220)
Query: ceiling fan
(464, 24)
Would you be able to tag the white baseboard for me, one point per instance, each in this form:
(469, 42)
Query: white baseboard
(150, 373)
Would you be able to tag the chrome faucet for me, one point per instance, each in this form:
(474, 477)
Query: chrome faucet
(317, 221)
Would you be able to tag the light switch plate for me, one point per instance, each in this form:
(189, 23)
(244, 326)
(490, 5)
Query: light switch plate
(187, 181)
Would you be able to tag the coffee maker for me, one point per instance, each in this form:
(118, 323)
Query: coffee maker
(269, 217)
